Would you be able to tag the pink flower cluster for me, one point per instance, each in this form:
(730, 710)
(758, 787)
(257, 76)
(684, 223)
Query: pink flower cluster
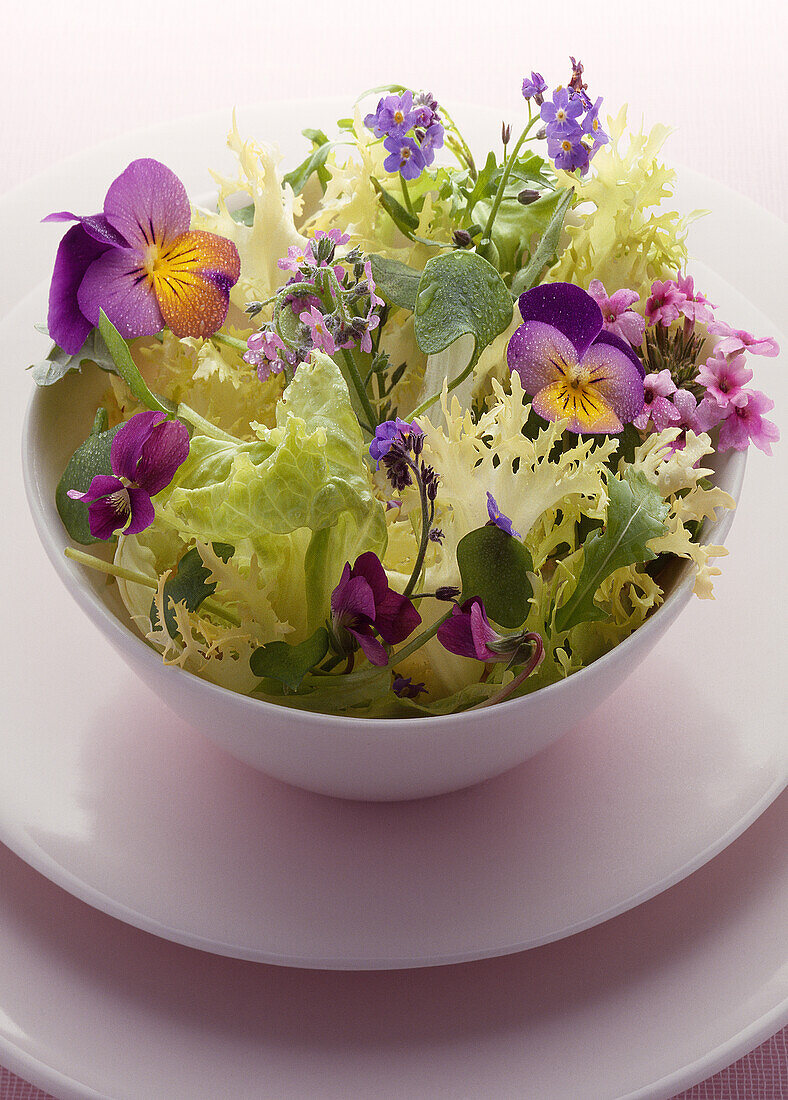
(738, 411)
(675, 298)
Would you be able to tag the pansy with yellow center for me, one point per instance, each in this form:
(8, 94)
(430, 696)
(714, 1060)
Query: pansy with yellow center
(140, 262)
(573, 368)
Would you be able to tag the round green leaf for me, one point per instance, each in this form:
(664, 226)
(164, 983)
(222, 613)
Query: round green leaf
(494, 566)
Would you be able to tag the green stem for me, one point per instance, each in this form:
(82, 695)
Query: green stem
(505, 177)
(426, 523)
(184, 412)
(230, 341)
(406, 193)
(355, 376)
(427, 402)
(418, 642)
(113, 570)
(535, 660)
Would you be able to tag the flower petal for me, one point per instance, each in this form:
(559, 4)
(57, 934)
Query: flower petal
(621, 345)
(165, 449)
(540, 354)
(566, 307)
(142, 511)
(127, 444)
(371, 646)
(584, 408)
(102, 485)
(613, 376)
(351, 598)
(395, 617)
(106, 516)
(455, 634)
(117, 283)
(192, 280)
(68, 324)
(95, 225)
(369, 567)
(148, 205)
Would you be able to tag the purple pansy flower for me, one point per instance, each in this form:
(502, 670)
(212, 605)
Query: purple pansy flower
(139, 262)
(387, 433)
(737, 339)
(404, 687)
(498, 519)
(725, 379)
(144, 456)
(657, 407)
(404, 156)
(363, 604)
(745, 423)
(573, 368)
(561, 114)
(534, 87)
(617, 315)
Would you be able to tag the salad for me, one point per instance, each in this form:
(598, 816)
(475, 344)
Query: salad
(404, 430)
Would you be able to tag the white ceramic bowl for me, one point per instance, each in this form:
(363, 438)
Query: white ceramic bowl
(380, 759)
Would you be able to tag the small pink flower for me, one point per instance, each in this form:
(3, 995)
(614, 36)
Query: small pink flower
(695, 307)
(374, 299)
(745, 424)
(724, 379)
(736, 339)
(617, 316)
(318, 330)
(689, 421)
(664, 305)
(297, 257)
(657, 388)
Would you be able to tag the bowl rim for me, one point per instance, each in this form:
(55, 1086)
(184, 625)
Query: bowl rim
(54, 542)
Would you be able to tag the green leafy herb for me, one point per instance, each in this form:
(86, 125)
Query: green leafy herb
(635, 514)
(547, 248)
(402, 218)
(315, 162)
(287, 663)
(59, 362)
(189, 585)
(494, 566)
(397, 282)
(127, 368)
(89, 459)
(244, 215)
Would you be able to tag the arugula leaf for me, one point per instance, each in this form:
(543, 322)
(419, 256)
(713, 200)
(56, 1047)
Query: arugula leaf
(188, 585)
(635, 514)
(397, 282)
(402, 218)
(494, 566)
(460, 293)
(287, 663)
(313, 163)
(546, 250)
(127, 368)
(58, 363)
(89, 459)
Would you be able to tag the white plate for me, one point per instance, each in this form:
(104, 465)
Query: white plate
(108, 794)
(641, 1006)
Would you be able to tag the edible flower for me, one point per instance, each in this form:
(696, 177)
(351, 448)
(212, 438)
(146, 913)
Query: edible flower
(725, 379)
(404, 687)
(140, 263)
(574, 370)
(745, 423)
(737, 339)
(390, 432)
(144, 456)
(363, 604)
(498, 519)
(617, 313)
(467, 632)
(657, 389)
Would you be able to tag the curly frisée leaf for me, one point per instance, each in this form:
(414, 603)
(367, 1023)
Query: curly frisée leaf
(188, 585)
(636, 513)
(290, 663)
(494, 566)
(89, 459)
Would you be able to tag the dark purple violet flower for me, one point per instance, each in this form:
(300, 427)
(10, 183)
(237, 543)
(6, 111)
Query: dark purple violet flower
(391, 431)
(575, 370)
(404, 687)
(140, 263)
(535, 87)
(363, 604)
(404, 156)
(467, 632)
(498, 519)
(145, 454)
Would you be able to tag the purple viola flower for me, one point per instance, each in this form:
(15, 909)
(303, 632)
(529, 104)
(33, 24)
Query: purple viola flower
(575, 370)
(657, 389)
(389, 432)
(534, 87)
(404, 156)
(617, 314)
(560, 115)
(363, 604)
(144, 456)
(467, 632)
(139, 262)
(498, 519)
(404, 687)
(745, 423)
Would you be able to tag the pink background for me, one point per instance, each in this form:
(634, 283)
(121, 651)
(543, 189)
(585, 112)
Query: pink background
(74, 75)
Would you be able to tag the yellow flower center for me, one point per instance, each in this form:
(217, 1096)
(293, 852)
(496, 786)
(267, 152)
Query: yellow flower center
(399, 117)
(566, 146)
(560, 114)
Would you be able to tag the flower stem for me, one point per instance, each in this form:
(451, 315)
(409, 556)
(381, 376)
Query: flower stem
(355, 377)
(231, 341)
(505, 177)
(113, 570)
(406, 193)
(205, 427)
(426, 523)
(418, 642)
(534, 661)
